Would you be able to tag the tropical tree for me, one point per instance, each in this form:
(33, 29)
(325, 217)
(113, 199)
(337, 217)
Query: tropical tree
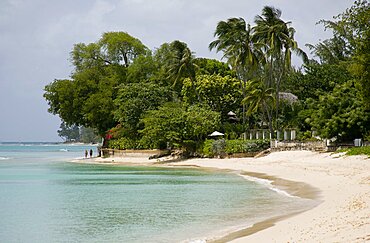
(350, 41)
(340, 109)
(212, 66)
(142, 69)
(235, 40)
(178, 125)
(340, 114)
(182, 65)
(316, 80)
(60, 97)
(85, 56)
(260, 98)
(134, 99)
(221, 94)
(276, 39)
(121, 48)
(87, 99)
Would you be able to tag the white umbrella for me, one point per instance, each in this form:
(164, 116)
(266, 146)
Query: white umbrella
(231, 113)
(215, 134)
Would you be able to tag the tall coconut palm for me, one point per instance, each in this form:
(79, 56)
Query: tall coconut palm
(260, 98)
(235, 40)
(277, 40)
(182, 65)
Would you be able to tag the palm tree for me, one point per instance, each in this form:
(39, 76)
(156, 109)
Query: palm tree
(182, 65)
(235, 40)
(260, 98)
(276, 38)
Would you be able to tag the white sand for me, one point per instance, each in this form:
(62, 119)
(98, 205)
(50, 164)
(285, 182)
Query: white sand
(344, 181)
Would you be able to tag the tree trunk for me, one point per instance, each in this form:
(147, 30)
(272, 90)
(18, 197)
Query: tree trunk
(269, 120)
(125, 59)
(244, 95)
(278, 82)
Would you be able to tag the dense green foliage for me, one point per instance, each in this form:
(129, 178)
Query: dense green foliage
(221, 94)
(262, 54)
(221, 147)
(337, 104)
(246, 146)
(340, 113)
(138, 98)
(124, 143)
(134, 99)
(178, 125)
(318, 79)
(88, 98)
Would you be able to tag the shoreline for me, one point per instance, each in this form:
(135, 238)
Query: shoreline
(278, 185)
(341, 183)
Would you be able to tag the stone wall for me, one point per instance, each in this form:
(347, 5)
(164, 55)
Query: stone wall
(296, 145)
(129, 153)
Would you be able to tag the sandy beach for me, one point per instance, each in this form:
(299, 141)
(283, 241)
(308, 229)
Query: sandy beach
(339, 183)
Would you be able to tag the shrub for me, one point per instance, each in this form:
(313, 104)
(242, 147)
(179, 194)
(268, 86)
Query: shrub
(306, 136)
(123, 143)
(365, 150)
(246, 146)
(189, 146)
(221, 147)
(206, 149)
(367, 136)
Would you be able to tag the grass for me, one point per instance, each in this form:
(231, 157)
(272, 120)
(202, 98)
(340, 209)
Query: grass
(365, 150)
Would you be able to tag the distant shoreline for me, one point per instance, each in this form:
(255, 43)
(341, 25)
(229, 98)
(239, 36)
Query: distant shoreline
(338, 182)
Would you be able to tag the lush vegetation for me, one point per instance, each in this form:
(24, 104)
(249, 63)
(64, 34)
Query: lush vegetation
(221, 147)
(168, 98)
(357, 151)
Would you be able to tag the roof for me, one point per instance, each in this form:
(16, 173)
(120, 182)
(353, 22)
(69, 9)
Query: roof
(289, 97)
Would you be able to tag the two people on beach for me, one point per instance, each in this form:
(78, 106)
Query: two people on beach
(87, 153)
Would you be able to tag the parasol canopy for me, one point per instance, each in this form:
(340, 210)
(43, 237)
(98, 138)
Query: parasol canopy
(215, 134)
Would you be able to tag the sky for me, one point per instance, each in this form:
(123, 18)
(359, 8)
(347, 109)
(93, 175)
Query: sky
(36, 37)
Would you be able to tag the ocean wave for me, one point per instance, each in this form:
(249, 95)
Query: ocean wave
(198, 241)
(268, 184)
(4, 158)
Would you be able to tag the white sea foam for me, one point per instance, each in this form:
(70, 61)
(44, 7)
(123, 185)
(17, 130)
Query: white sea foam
(4, 158)
(197, 241)
(268, 184)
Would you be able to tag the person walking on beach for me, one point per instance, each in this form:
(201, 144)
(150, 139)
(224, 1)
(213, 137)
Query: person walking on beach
(86, 153)
(91, 153)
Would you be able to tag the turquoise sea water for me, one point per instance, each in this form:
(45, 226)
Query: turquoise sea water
(44, 198)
